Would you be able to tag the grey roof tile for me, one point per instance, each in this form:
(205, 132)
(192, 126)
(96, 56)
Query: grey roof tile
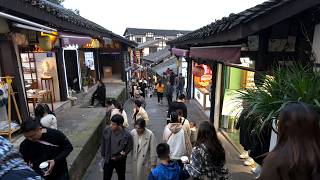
(156, 32)
(233, 20)
(69, 16)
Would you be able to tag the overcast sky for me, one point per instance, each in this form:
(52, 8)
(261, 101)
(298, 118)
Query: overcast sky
(117, 15)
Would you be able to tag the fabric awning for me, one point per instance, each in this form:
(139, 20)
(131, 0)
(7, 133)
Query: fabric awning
(228, 54)
(180, 52)
(68, 39)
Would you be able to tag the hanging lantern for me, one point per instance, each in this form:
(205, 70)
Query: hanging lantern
(45, 43)
(198, 71)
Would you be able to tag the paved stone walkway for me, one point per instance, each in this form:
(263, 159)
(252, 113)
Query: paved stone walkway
(157, 114)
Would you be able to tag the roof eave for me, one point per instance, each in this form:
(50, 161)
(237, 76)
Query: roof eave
(261, 22)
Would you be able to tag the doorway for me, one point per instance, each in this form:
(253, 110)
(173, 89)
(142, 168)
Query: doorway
(72, 69)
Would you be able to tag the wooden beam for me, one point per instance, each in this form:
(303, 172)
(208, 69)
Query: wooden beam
(189, 77)
(214, 67)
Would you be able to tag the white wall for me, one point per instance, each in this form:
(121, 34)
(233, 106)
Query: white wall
(146, 51)
(316, 43)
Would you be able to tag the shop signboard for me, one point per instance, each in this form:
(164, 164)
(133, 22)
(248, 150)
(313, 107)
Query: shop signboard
(89, 60)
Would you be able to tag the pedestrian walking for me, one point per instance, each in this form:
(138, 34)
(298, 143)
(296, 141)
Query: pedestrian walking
(143, 87)
(180, 82)
(12, 165)
(139, 112)
(169, 93)
(177, 138)
(167, 169)
(46, 119)
(296, 155)
(119, 110)
(144, 156)
(110, 107)
(179, 104)
(141, 99)
(160, 91)
(99, 94)
(185, 122)
(116, 145)
(193, 132)
(45, 145)
(208, 156)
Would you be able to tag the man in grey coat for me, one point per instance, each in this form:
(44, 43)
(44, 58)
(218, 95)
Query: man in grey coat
(117, 142)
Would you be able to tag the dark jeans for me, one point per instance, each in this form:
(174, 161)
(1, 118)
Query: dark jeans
(120, 167)
(160, 96)
(169, 98)
(101, 100)
(179, 91)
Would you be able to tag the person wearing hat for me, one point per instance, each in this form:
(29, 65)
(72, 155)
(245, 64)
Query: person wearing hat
(117, 143)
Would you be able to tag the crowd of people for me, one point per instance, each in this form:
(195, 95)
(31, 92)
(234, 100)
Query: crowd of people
(181, 139)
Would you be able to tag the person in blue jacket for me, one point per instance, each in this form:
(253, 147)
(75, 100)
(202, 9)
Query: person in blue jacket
(167, 169)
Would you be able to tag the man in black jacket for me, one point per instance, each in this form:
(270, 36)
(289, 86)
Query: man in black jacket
(45, 145)
(178, 105)
(116, 144)
(99, 94)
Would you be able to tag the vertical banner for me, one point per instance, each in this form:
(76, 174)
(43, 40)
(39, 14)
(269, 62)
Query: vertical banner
(89, 60)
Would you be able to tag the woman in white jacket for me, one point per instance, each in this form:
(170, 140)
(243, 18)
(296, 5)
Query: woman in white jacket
(177, 138)
(119, 110)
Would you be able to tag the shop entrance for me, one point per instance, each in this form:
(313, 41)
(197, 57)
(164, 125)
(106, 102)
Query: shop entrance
(72, 69)
(111, 68)
(40, 77)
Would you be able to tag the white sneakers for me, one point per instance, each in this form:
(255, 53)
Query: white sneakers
(249, 162)
(244, 155)
(256, 170)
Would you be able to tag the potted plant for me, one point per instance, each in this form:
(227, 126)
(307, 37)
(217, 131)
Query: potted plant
(85, 84)
(287, 84)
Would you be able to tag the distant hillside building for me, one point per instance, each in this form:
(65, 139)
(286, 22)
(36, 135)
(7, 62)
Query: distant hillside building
(152, 40)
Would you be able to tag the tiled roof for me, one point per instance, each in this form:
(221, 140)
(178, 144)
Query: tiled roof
(69, 16)
(158, 56)
(149, 43)
(233, 20)
(159, 32)
(162, 67)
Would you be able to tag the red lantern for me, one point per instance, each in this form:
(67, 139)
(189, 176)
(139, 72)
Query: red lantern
(198, 71)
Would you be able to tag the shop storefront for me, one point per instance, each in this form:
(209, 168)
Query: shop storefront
(236, 79)
(202, 75)
(38, 64)
(79, 54)
(111, 61)
(41, 82)
(88, 64)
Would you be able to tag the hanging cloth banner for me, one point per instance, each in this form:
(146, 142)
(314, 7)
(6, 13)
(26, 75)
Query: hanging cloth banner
(228, 54)
(79, 41)
(180, 52)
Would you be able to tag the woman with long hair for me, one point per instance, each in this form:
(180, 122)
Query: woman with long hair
(297, 153)
(119, 110)
(208, 156)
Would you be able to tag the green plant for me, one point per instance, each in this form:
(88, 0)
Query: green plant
(85, 82)
(287, 84)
